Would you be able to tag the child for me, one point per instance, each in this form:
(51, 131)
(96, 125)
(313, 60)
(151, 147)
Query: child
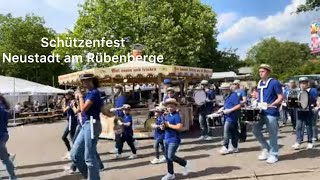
(304, 117)
(172, 126)
(127, 133)
(230, 111)
(158, 134)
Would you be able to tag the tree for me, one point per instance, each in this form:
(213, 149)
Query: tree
(310, 5)
(182, 31)
(22, 36)
(227, 60)
(285, 58)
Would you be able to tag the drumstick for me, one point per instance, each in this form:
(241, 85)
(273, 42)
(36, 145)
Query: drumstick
(272, 106)
(92, 121)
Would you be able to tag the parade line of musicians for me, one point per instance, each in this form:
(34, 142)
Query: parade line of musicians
(84, 110)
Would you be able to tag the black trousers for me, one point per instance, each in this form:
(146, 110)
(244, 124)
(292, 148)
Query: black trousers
(66, 133)
(243, 131)
(121, 138)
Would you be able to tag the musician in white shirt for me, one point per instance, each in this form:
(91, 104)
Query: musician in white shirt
(204, 110)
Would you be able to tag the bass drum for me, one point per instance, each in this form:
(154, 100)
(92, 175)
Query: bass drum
(298, 99)
(199, 97)
(148, 123)
(304, 99)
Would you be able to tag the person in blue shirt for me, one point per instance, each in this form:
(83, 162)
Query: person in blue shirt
(230, 110)
(71, 121)
(304, 117)
(158, 134)
(167, 84)
(292, 86)
(315, 109)
(84, 150)
(4, 137)
(127, 133)
(204, 110)
(243, 101)
(172, 127)
(269, 100)
(120, 100)
(73, 168)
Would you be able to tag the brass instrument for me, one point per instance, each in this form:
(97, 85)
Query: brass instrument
(118, 127)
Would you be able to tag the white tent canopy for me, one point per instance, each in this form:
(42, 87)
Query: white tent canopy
(17, 86)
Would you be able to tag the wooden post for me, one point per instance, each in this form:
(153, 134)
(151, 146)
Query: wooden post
(112, 92)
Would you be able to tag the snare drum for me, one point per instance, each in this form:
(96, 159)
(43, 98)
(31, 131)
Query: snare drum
(214, 122)
(298, 99)
(250, 114)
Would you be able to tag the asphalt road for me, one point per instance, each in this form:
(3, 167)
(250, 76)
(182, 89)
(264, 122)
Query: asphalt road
(39, 149)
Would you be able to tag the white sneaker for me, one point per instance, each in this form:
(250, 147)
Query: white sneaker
(168, 177)
(12, 157)
(155, 161)
(114, 151)
(163, 159)
(102, 169)
(186, 169)
(314, 140)
(68, 170)
(296, 146)
(201, 138)
(133, 156)
(178, 149)
(309, 146)
(118, 156)
(233, 150)
(209, 138)
(136, 144)
(272, 159)
(67, 156)
(224, 151)
(264, 155)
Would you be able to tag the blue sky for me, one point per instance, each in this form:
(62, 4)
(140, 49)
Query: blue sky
(241, 23)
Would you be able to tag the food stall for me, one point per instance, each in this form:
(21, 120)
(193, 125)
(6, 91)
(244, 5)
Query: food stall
(139, 72)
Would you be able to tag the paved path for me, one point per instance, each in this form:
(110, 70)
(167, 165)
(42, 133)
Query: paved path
(39, 149)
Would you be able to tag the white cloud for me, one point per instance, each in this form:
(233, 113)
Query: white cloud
(64, 5)
(58, 14)
(284, 25)
(225, 20)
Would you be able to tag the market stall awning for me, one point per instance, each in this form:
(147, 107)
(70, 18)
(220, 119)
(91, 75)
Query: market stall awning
(17, 86)
(228, 75)
(138, 70)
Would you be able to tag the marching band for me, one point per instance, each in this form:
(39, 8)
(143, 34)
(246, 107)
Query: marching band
(261, 109)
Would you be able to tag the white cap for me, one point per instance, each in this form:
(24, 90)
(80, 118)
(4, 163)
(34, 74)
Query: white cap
(204, 82)
(237, 81)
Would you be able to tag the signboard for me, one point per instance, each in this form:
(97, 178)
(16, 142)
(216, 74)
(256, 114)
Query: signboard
(315, 37)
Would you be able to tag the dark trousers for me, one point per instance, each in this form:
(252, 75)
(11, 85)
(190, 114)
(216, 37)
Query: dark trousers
(66, 133)
(301, 122)
(293, 115)
(121, 138)
(170, 151)
(157, 145)
(230, 132)
(243, 131)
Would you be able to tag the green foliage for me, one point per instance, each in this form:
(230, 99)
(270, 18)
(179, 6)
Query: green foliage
(285, 58)
(227, 60)
(310, 5)
(22, 36)
(182, 31)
